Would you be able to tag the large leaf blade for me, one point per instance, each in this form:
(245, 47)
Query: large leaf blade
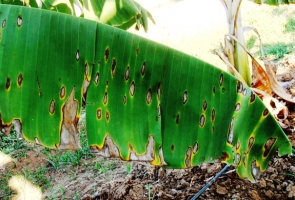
(181, 113)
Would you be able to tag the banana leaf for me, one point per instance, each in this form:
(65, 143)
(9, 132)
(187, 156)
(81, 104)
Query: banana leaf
(144, 101)
(274, 2)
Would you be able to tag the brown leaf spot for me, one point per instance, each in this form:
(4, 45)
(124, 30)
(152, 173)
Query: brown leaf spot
(52, 107)
(77, 55)
(202, 120)
(62, 92)
(252, 97)
(106, 54)
(4, 23)
(159, 110)
(268, 145)
(214, 90)
(196, 148)
(231, 132)
(105, 98)
(8, 82)
(188, 157)
(237, 145)
(221, 79)
(114, 62)
(98, 113)
(238, 107)
(224, 156)
(238, 159)
(205, 105)
(127, 73)
(39, 87)
(159, 91)
(255, 170)
(19, 21)
(20, 80)
(250, 142)
(223, 89)
(96, 79)
(107, 116)
(137, 51)
(244, 92)
(86, 69)
(213, 115)
(172, 147)
(132, 88)
(143, 69)
(184, 100)
(265, 112)
(149, 96)
(124, 99)
(239, 87)
(177, 119)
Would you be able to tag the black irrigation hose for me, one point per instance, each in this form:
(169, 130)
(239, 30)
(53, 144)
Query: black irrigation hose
(210, 183)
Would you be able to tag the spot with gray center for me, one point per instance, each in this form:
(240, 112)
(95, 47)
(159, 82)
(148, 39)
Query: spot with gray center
(149, 96)
(132, 88)
(106, 54)
(77, 55)
(7, 85)
(268, 146)
(62, 92)
(105, 98)
(221, 79)
(231, 132)
(52, 107)
(4, 23)
(96, 79)
(205, 105)
(19, 21)
(202, 120)
(98, 113)
(127, 73)
(20, 80)
(114, 62)
(143, 69)
(184, 100)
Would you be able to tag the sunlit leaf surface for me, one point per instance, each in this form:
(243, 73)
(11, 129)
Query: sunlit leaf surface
(144, 101)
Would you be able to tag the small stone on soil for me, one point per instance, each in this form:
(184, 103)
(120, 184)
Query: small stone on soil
(254, 195)
(221, 190)
(269, 194)
(262, 183)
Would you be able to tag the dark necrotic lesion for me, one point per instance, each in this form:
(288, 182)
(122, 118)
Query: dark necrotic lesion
(114, 66)
(8, 82)
(106, 54)
(20, 80)
(143, 69)
(149, 96)
(127, 73)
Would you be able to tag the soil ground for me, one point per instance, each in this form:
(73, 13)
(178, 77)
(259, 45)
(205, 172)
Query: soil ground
(196, 28)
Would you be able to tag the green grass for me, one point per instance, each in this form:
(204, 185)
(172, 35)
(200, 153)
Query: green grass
(13, 145)
(278, 51)
(250, 43)
(37, 177)
(290, 25)
(5, 191)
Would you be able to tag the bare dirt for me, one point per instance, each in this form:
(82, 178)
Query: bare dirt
(117, 179)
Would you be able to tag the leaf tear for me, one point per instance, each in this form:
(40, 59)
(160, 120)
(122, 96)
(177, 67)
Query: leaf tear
(69, 137)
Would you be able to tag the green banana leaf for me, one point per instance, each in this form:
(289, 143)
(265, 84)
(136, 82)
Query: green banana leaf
(274, 2)
(144, 101)
(117, 13)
